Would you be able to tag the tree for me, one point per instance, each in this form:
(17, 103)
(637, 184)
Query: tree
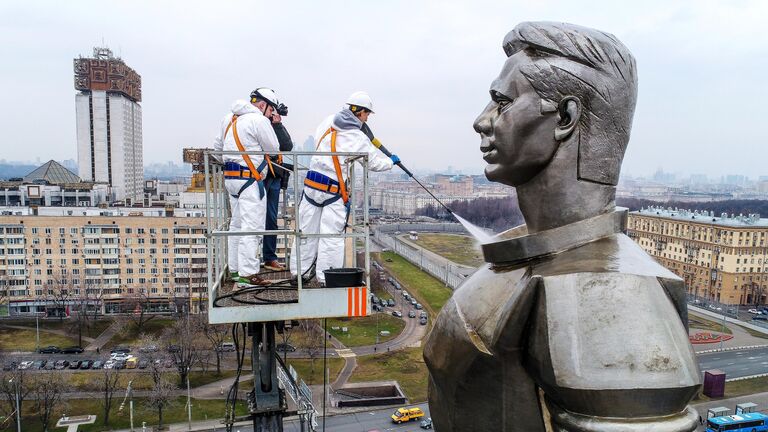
(160, 397)
(181, 335)
(108, 386)
(215, 334)
(58, 290)
(313, 340)
(150, 346)
(10, 383)
(86, 309)
(47, 395)
(137, 309)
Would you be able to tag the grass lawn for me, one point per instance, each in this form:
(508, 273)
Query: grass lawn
(24, 340)
(755, 333)
(740, 388)
(406, 366)
(428, 290)
(362, 331)
(97, 327)
(175, 413)
(697, 322)
(131, 335)
(304, 369)
(460, 249)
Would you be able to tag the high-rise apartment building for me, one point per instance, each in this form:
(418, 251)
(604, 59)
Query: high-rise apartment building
(109, 140)
(722, 258)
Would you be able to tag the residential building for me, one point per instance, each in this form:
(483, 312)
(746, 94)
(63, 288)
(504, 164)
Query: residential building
(111, 260)
(109, 133)
(722, 258)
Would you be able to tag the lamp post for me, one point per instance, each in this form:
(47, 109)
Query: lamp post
(189, 403)
(18, 410)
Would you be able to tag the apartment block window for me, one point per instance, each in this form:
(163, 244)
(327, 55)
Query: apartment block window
(62, 251)
(128, 230)
(34, 230)
(152, 231)
(47, 230)
(49, 262)
(62, 231)
(63, 262)
(165, 231)
(73, 231)
(75, 261)
(165, 260)
(165, 241)
(48, 252)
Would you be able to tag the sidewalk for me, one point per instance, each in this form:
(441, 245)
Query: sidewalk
(103, 338)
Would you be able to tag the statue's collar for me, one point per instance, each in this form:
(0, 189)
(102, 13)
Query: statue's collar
(517, 246)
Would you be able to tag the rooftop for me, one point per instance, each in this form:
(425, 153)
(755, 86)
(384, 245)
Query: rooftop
(705, 217)
(52, 172)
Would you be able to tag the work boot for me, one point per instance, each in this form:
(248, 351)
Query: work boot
(234, 276)
(252, 280)
(274, 265)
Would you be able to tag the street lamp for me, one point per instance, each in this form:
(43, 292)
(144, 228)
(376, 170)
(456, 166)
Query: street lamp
(189, 402)
(18, 410)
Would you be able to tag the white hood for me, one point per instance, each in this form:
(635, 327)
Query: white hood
(242, 106)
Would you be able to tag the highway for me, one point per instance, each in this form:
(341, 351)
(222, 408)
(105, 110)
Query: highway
(737, 363)
(374, 420)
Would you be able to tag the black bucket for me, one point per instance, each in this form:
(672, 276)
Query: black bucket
(343, 277)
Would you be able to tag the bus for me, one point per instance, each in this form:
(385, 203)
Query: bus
(749, 422)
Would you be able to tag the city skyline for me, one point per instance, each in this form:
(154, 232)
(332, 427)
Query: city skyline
(424, 69)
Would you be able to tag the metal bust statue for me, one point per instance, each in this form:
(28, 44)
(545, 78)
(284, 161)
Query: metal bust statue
(570, 326)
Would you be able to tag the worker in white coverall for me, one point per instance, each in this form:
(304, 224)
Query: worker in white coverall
(324, 205)
(247, 128)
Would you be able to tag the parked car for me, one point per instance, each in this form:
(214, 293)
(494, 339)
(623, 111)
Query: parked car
(109, 364)
(75, 364)
(119, 356)
(51, 365)
(10, 366)
(376, 308)
(72, 350)
(754, 311)
(411, 313)
(168, 363)
(61, 364)
(423, 321)
(760, 318)
(120, 349)
(423, 314)
(98, 364)
(143, 364)
(51, 349)
(26, 364)
(148, 349)
(86, 364)
(397, 314)
(173, 348)
(38, 364)
(119, 364)
(226, 347)
(391, 302)
(414, 302)
(426, 424)
(285, 347)
(419, 306)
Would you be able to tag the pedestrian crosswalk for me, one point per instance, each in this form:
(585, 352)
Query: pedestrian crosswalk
(345, 353)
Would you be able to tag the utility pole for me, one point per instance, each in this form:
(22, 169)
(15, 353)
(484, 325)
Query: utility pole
(37, 331)
(18, 410)
(189, 403)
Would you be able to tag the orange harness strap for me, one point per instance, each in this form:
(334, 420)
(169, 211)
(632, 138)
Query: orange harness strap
(254, 174)
(336, 164)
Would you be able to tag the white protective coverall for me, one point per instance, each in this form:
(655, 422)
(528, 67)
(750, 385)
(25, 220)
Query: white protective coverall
(332, 218)
(249, 210)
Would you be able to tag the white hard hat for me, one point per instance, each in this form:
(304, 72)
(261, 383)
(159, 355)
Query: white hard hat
(360, 99)
(266, 94)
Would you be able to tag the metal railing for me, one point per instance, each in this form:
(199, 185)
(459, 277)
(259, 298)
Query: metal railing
(217, 234)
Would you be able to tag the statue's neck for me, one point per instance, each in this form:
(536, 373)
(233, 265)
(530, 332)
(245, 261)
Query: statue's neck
(555, 197)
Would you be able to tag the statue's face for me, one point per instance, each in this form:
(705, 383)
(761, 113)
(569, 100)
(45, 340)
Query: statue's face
(517, 139)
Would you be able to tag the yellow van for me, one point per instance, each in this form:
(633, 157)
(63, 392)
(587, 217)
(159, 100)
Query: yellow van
(131, 363)
(407, 414)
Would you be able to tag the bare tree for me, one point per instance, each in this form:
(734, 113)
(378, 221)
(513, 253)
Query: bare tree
(12, 382)
(110, 379)
(160, 398)
(215, 334)
(184, 346)
(86, 311)
(312, 340)
(58, 290)
(47, 395)
(150, 347)
(137, 309)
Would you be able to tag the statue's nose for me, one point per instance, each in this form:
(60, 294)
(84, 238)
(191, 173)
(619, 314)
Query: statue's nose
(483, 123)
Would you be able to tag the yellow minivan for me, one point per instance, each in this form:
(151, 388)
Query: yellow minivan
(131, 363)
(407, 414)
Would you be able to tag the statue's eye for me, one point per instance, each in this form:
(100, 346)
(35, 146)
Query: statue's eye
(502, 103)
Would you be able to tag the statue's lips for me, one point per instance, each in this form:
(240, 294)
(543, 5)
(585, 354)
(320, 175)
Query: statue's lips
(490, 154)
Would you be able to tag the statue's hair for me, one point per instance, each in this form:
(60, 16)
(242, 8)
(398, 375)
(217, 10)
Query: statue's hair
(569, 60)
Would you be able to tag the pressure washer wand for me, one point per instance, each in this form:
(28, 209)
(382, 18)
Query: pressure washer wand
(384, 150)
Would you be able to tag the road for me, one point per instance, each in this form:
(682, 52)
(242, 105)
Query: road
(358, 422)
(737, 363)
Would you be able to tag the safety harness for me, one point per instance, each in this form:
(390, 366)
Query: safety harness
(323, 183)
(235, 171)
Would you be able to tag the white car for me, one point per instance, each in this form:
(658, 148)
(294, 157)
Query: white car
(26, 364)
(754, 311)
(120, 356)
(109, 364)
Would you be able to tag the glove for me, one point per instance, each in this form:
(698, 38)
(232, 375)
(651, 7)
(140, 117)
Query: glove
(395, 159)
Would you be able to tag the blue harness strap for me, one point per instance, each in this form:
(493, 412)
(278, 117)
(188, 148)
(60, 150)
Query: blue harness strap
(234, 166)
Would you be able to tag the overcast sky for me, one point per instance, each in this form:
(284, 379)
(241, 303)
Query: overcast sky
(427, 65)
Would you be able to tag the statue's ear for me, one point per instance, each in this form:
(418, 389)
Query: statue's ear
(569, 111)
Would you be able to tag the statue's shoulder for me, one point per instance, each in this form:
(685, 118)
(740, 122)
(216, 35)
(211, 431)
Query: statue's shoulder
(613, 254)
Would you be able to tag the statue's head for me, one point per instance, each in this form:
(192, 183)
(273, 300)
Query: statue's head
(561, 84)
